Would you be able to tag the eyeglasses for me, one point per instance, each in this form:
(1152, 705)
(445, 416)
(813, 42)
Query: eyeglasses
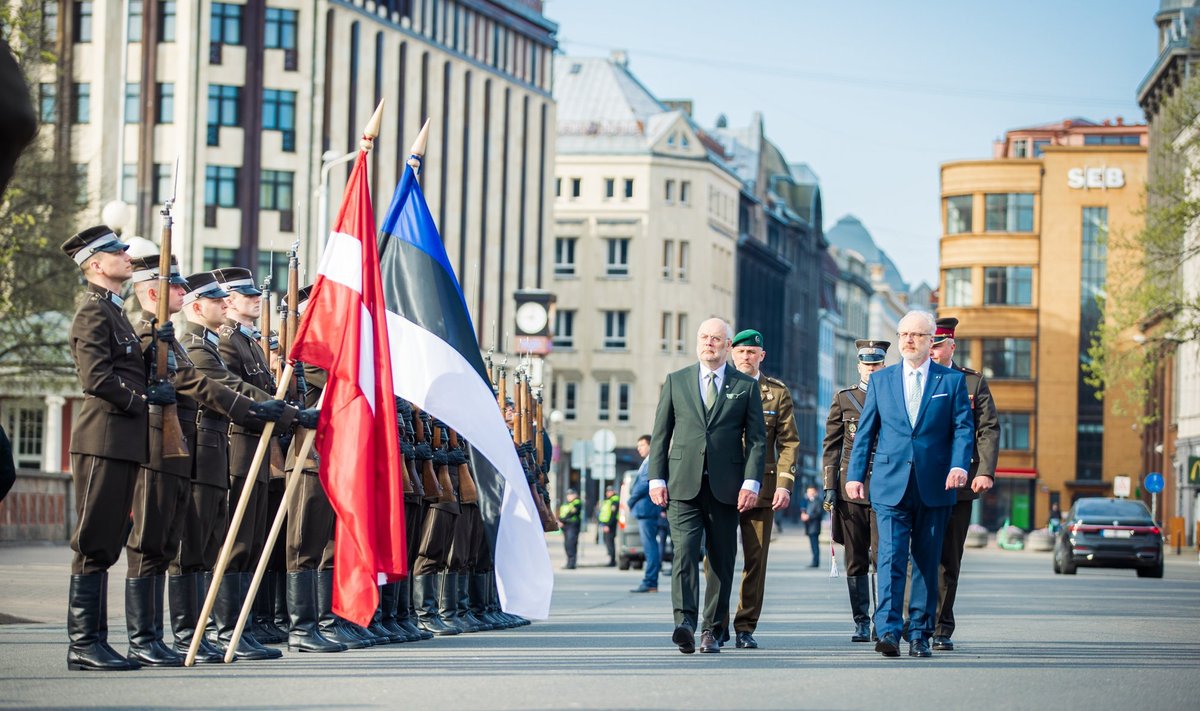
(912, 335)
(710, 339)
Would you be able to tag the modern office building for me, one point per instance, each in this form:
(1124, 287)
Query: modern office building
(1026, 244)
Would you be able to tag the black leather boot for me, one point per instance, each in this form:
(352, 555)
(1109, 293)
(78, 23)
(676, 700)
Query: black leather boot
(203, 583)
(478, 595)
(382, 634)
(463, 616)
(447, 599)
(85, 609)
(182, 592)
(264, 630)
(282, 620)
(515, 620)
(860, 606)
(425, 596)
(304, 635)
(144, 645)
(328, 624)
(406, 618)
(251, 632)
(226, 609)
(388, 595)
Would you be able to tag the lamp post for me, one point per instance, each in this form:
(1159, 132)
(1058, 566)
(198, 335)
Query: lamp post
(329, 159)
(115, 214)
(560, 477)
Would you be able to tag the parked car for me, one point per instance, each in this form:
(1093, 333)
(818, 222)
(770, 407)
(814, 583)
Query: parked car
(629, 540)
(1109, 533)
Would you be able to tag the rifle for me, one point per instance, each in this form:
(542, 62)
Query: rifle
(264, 338)
(445, 486)
(429, 482)
(173, 444)
(527, 452)
(468, 493)
(412, 484)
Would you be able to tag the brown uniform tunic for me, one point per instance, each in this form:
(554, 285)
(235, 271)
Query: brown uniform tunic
(310, 517)
(853, 523)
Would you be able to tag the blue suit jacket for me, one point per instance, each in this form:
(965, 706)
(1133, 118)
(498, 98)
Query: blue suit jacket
(639, 502)
(943, 437)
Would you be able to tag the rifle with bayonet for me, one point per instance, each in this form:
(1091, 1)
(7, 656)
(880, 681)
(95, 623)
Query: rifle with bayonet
(408, 449)
(431, 490)
(528, 452)
(264, 334)
(173, 443)
(441, 465)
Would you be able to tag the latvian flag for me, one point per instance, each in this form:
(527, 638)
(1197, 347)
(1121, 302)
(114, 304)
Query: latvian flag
(344, 331)
(439, 369)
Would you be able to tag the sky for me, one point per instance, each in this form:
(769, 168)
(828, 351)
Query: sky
(876, 94)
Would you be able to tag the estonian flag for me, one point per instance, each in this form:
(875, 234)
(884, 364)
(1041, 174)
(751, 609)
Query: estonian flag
(437, 367)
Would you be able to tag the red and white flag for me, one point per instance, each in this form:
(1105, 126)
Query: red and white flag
(344, 332)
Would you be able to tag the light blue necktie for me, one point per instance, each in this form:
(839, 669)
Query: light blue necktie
(914, 398)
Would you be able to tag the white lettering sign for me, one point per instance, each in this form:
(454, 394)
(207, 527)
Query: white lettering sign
(1095, 178)
(1122, 486)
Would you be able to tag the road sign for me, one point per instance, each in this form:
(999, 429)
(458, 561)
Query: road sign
(604, 440)
(581, 451)
(1122, 486)
(1154, 482)
(1193, 470)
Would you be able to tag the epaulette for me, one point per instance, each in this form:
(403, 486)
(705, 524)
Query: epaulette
(226, 330)
(849, 389)
(774, 381)
(968, 371)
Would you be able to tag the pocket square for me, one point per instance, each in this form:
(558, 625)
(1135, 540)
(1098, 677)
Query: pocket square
(939, 395)
(733, 396)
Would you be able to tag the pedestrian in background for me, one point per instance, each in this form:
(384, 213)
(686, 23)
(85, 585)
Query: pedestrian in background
(570, 515)
(607, 517)
(648, 515)
(812, 515)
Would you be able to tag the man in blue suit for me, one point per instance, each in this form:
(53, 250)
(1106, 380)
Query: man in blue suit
(917, 421)
(647, 514)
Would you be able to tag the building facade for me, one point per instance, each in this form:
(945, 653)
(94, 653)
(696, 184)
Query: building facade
(1024, 257)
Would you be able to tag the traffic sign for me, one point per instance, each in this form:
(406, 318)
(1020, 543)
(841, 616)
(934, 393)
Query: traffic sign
(604, 441)
(1122, 486)
(1154, 482)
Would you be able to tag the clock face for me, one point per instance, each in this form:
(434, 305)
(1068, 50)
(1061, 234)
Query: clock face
(531, 317)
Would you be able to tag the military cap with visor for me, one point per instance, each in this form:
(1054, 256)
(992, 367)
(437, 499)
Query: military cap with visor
(146, 269)
(83, 245)
(871, 351)
(203, 286)
(237, 279)
(945, 329)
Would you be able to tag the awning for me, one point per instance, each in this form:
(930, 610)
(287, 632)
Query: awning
(1016, 473)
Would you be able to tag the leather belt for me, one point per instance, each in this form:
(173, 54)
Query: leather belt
(212, 423)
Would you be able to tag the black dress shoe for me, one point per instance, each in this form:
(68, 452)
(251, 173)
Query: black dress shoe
(862, 632)
(888, 645)
(708, 643)
(919, 648)
(943, 644)
(685, 637)
(643, 588)
(745, 640)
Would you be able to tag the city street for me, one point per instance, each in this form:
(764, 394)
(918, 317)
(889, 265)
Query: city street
(1027, 638)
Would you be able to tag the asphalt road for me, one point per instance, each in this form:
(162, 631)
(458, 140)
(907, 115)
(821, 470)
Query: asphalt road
(1027, 639)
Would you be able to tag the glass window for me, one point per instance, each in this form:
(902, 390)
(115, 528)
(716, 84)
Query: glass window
(133, 102)
(564, 328)
(1007, 358)
(224, 109)
(219, 258)
(564, 256)
(48, 101)
(617, 264)
(83, 21)
(664, 333)
(624, 396)
(81, 183)
(226, 23)
(570, 393)
(1009, 212)
(558, 187)
(26, 426)
(629, 187)
(281, 28)
(610, 187)
(964, 353)
(134, 28)
(279, 114)
(275, 264)
(958, 214)
(220, 186)
(1038, 145)
(1020, 148)
(275, 192)
(81, 103)
(685, 191)
(614, 329)
(166, 102)
(129, 183)
(1008, 286)
(669, 191)
(681, 333)
(958, 291)
(166, 21)
(1014, 431)
(576, 187)
(164, 182)
(1093, 269)
(668, 258)
(49, 21)
(604, 401)
(682, 271)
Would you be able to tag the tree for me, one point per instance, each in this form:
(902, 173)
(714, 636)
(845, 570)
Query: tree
(39, 210)
(1149, 307)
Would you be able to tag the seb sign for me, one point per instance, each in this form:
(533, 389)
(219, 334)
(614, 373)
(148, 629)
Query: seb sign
(1095, 178)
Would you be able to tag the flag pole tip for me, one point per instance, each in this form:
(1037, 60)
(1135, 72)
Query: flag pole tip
(372, 129)
(418, 147)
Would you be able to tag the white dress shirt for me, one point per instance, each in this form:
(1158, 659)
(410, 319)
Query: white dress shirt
(923, 369)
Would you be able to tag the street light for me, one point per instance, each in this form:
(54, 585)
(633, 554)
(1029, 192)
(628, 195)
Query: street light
(115, 214)
(556, 419)
(329, 159)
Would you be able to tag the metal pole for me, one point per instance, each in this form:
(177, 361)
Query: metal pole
(327, 164)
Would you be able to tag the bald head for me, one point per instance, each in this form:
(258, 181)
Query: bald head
(712, 342)
(916, 336)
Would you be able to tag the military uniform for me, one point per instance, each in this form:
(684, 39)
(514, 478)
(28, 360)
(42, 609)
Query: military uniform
(983, 463)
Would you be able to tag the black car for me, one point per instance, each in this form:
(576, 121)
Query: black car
(1109, 533)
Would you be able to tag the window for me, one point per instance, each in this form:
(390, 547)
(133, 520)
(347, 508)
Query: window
(275, 192)
(958, 214)
(81, 103)
(26, 426)
(276, 264)
(1007, 358)
(628, 187)
(681, 333)
(564, 328)
(570, 396)
(279, 114)
(1014, 431)
(226, 23)
(48, 101)
(133, 102)
(166, 21)
(1038, 145)
(1020, 148)
(964, 353)
(617, 264)
(564, 256)
(134, 29)
(610, 187)
(49, 21)
(958, 291)
(664, 333)
(558, 187)
(220, 186)
(1009, 212)
(614, 329)
(681, 272)
(576, 187)
(129, 183)
(671, 140)
(81, 183)
(224, 109)
(1112, 140)
(668, 258)
(219, 258)
(1008, 286)
(281, 28)
(1089, 410)
(624, 392)
(83, 21)
(683, 141)
(604, 393)
(164, 182)
(685, 191)
(669, 191)
(166, 102)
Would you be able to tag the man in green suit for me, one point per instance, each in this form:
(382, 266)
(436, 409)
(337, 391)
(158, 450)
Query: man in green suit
(706, 461)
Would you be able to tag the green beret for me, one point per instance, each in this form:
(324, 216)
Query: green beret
(749, 337)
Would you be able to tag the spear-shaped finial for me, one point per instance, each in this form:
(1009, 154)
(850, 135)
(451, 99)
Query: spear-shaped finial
(372, 129)
(417, 152)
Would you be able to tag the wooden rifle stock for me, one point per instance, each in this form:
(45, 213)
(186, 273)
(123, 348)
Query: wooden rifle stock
(429, 482)
(468, 493)
(173, 444)
(445, 486)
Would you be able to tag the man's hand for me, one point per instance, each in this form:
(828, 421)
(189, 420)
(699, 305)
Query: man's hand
(746, 500)
(268, 411)
(659, 496)
(166, 332)
(854, 490)
(308, 418)
(160, 393)
(782, 500)
(955, 479)
(981, 484)
(830, 499)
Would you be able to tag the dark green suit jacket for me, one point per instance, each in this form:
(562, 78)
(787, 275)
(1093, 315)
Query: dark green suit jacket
(730, 441)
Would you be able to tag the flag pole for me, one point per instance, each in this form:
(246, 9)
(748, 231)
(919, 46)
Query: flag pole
(417, 152)
(234, 523)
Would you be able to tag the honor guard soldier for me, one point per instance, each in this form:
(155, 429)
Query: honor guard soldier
(779, 477)
(853, 521)
(162, 492)
(979, 479)
(108, 443)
